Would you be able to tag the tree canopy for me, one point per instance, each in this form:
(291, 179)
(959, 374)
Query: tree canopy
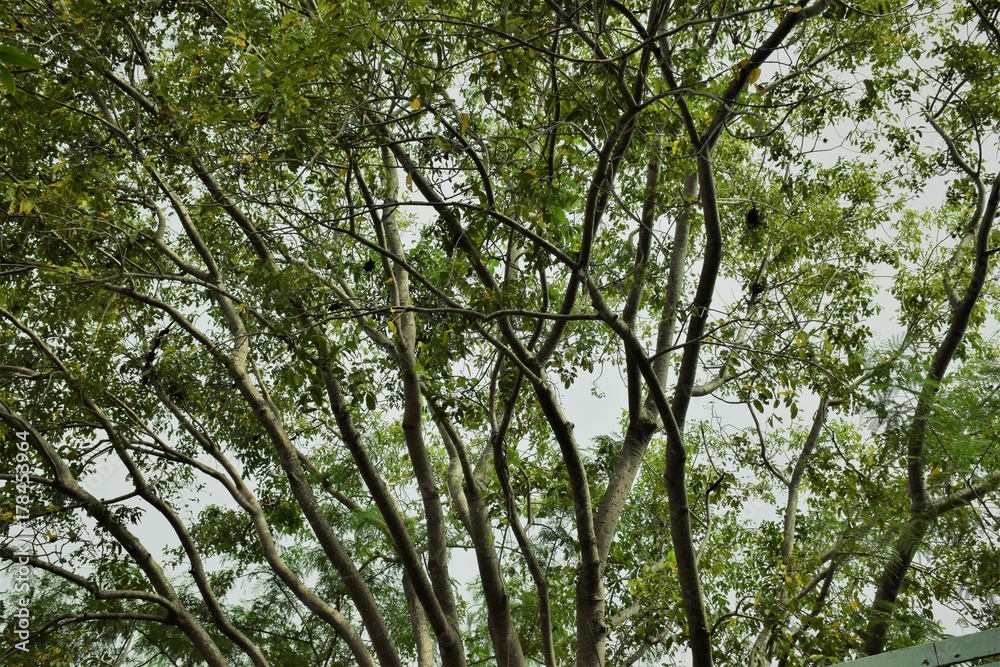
(293, 293)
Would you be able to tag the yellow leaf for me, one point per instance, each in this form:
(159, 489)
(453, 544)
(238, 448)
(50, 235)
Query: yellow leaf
(195, 70)
(740, 65)
(463, 119)
(409, 182)
(415, 104)
(530, 172)
(759, 88)
(796, 8)
(26, 206)
(392, 326)
(240, 307)
(754, 75)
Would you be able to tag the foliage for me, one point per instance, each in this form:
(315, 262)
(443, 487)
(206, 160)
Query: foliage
(292, 296)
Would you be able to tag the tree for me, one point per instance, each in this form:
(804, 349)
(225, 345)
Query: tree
(289, 291)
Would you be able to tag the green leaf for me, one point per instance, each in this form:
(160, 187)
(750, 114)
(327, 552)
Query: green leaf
(7, 80)
(17, 57)
(442, 143)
